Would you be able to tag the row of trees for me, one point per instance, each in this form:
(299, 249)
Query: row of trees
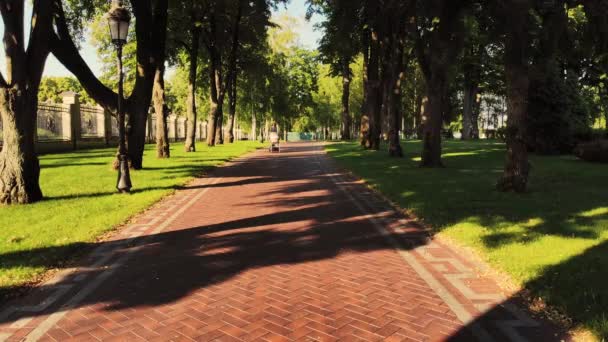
(414, 57)
(229, 37)
(547, 57)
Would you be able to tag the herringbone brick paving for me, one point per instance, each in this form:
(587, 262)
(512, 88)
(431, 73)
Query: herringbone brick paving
(275, 247)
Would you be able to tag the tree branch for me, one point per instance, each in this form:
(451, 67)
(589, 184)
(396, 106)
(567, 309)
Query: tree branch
(62, 46)
(38, 47)
(14, 49)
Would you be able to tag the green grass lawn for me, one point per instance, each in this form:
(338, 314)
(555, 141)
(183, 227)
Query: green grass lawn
(81, 204)
(552, 240)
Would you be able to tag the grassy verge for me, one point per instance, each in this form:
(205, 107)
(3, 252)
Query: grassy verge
(81, 204)
(552, 240)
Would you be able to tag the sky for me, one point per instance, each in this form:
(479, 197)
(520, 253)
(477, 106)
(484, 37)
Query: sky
(309, 37)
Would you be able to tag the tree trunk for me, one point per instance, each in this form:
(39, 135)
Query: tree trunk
(136, 132)
(254, 122)
(160, 108)
(150, 30)
(346, 118)
(214, 113)
(232, 96)
(190, 144)
(475, 118)
(394, 100)
(431, 132)
(364, 120)
(215, 107)
(421, 103)
(19, 166)
(437, 53)
(220, 128)
(517, 167)
(374, 93)
(471, 90)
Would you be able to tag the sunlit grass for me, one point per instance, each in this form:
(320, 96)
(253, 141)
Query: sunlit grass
(81, 204)
(552, 240)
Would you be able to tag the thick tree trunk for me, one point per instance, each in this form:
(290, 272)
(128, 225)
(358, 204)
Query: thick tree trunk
(394, 102)
(220, 128)
(469, 122)
(150, 30)
(517, 167)
(215, 102)
(437, 53)
(346, 118)
(215, 110)
(421, 103)
(19, 166)
(190, 144)
(431, 133)
(160, 108)
(136, 133)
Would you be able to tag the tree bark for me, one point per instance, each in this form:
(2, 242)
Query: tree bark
(160, 108)
(517, 167)
(346, 118)
(190, 144)
(19, 165)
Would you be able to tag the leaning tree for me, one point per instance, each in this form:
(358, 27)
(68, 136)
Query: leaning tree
(150, 32)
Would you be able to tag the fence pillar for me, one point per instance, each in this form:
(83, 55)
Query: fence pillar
(100, 118)
(172, 127)
(71, 117)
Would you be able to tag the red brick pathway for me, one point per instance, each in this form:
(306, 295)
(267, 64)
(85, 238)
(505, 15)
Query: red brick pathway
(273, 248)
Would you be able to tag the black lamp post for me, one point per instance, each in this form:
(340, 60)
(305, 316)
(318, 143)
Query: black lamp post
(118, 20)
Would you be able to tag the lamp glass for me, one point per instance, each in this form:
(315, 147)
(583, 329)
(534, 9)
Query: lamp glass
(124, 31)
(114, 28)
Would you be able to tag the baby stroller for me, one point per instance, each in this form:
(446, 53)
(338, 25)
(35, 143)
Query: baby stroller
(274, 142)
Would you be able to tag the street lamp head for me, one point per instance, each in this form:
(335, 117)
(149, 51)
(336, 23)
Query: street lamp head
(118, 20)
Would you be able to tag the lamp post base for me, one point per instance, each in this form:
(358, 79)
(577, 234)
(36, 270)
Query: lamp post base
(124, 179)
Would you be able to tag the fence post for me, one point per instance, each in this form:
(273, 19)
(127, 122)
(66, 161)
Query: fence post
(71, 116)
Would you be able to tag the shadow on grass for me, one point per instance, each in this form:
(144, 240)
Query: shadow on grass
(566, 208)
(165, 267)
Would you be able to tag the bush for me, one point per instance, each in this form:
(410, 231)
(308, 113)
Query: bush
(595, 151)
(559, 118)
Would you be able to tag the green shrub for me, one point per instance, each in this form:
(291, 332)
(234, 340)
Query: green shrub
(559, 118)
